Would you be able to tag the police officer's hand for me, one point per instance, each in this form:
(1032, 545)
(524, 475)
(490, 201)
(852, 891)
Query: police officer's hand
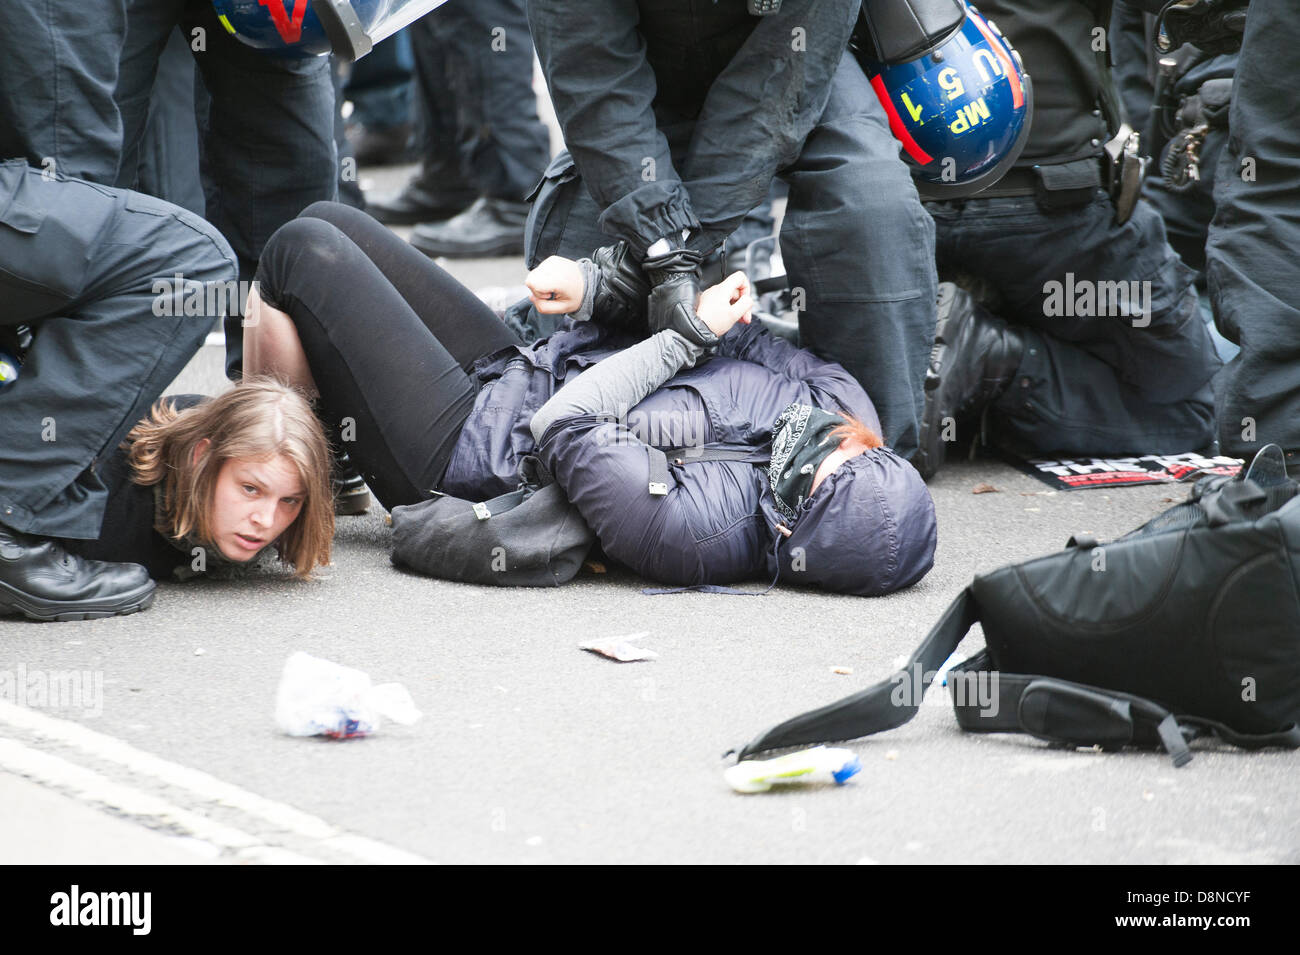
(726, 303)
(556, 286)
(675, 294)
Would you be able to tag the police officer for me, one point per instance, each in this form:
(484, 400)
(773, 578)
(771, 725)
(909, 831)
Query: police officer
(90, 269)
(484, 147)
(77, 79)
(1102, 351)
(678, 115)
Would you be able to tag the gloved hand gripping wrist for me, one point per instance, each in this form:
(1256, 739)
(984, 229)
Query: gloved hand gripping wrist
(621, 289)
(674, 294)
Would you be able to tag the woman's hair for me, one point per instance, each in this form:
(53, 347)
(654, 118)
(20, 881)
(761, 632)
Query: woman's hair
(258, 419)
(853, 428)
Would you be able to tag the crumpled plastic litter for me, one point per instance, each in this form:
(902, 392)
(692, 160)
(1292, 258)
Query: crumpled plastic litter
(320, 698)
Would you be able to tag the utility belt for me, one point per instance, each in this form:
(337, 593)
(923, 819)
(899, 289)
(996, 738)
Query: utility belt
(1054, 185)
(1066, 185)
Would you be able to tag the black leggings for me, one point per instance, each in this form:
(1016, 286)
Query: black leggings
(390, 338)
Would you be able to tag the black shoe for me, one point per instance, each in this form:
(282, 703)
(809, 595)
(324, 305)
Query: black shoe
(975, 357)
(488, 227)
(42, 580)
(381, 145)
(417, 203)
(351, 496)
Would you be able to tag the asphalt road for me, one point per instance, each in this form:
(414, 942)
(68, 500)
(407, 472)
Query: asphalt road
(530, 750)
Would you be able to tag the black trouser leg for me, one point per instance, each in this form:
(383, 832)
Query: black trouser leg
(92, 269)
(58, 76)
(1101, 374)
(1251, 255)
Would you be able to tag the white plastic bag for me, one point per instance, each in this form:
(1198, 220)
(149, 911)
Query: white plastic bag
(320, 698)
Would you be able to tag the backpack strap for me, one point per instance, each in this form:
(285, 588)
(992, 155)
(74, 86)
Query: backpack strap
(1060, 711)
(533, 476)
(659, 460)
(1288, 738)
(1075, 714)
(884, 706)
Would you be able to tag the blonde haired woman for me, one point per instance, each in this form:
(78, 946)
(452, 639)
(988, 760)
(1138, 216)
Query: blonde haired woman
(203, 483)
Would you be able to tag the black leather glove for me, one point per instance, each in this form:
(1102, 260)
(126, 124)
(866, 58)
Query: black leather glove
(674, 293)
(621, 289)
(1215, 26)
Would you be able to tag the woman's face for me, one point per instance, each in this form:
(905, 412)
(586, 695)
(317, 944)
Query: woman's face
(253, 503)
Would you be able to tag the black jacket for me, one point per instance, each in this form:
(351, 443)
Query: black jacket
(1055, 39)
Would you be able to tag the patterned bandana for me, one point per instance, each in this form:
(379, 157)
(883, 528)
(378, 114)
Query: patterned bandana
(800, 442)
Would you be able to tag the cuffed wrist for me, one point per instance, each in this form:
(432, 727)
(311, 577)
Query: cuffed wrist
(590, 282)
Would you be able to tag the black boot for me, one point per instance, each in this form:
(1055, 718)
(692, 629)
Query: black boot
(488, 227)
(419, 202)
(351, 496)
(974, 359)
(42, 580)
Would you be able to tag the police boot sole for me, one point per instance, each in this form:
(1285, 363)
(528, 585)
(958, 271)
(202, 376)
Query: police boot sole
(477, 248)
(40, 608)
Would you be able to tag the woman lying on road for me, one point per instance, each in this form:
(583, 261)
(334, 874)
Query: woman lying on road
(204, 483)
(439, 395)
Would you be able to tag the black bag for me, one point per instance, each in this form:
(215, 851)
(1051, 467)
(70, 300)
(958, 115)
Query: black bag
(1187, 626)
(530, 537)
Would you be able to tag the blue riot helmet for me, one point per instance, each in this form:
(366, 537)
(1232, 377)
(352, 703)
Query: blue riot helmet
(957, 95)
(303, 28)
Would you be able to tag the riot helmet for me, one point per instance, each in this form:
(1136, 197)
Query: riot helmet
(956, 93)
(303, 28)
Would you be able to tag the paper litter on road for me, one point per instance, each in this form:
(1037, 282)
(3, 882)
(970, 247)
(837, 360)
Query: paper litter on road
(620, 649)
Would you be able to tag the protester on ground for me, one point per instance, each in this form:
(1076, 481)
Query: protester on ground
(202, 483)
(442, 398)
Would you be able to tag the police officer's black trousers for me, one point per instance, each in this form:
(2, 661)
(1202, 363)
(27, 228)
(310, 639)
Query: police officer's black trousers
(93, 270)
(1251, 257)
(478, 114)
(75, 82)
(1116, 368)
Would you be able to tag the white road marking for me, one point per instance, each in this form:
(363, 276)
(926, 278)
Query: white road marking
(90, 786)
(203, 785)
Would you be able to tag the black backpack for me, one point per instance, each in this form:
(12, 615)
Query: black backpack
(1185, 627)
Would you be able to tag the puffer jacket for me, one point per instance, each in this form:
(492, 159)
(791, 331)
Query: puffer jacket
(717, 522)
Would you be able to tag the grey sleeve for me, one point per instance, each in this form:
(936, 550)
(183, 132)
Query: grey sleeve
(620, 381)
(590, 279)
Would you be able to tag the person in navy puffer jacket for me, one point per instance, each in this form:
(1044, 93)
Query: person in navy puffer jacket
(773, 466)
